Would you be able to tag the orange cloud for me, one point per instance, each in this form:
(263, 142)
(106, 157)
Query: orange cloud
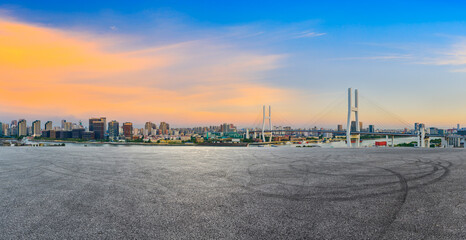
(27, 47)
(48, 72)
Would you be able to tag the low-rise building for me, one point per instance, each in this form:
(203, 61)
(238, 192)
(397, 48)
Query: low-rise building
(87, 135)
(77, 133)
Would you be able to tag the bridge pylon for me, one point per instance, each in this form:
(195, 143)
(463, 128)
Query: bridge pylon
(351, 109)
(263, 123)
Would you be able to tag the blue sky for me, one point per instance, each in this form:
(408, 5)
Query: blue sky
(395, 52)
(367, 13)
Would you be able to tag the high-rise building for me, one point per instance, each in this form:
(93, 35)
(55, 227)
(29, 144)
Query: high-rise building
(421, 126)
(68, 126)
(137, 132)
(91, 120)
(13, 130)
(22, 127)
(91, 123)
(154, 129)
(113, 129)
(416, 127)
(353, 126)
(164, 128)
(98, 129)
(340, 128)
(63, 124)
(36, 128)
(48, 125)
(232, 127)
(104, 119)
(128, 130)
(5, 129)
(148, 128)
(433, 130)
(227, 127)
(371, 128)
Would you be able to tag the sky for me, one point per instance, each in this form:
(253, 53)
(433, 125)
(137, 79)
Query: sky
(197, 63)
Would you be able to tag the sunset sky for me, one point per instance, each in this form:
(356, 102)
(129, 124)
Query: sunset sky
(193, 63)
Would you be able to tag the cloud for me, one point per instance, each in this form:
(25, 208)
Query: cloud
(382, 57)
(460, 70)
(47, 71)
(308, 34)
(454, 56)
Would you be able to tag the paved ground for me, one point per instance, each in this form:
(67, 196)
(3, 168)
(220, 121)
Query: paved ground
(234, 193)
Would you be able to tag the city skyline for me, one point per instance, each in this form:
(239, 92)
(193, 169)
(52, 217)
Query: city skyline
(227, 134)
(213, 63)
(105, 127)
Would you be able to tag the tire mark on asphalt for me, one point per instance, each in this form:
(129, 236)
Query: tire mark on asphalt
(401, 200)
(299, 195)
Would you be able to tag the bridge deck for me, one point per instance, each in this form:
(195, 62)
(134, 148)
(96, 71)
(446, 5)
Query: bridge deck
(344, 132)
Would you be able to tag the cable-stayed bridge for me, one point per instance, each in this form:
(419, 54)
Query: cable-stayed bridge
(352, 130)
(397, 134)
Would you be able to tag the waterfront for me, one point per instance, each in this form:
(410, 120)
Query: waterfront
(332, 144)
(367, 142)
(206, 192)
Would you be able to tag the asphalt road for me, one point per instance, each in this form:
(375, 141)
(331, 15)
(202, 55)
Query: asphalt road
(231, 193)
